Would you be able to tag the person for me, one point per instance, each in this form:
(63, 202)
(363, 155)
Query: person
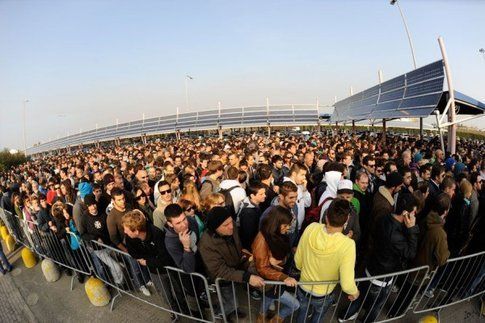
(117, 236)
(233, 192)
(352, 226)
(437, 176)
(5, 265)
(146, 243)
(383, 203)
(325, 254)
(164, 199)
(394, 244)
(222, 256)
(277, 169)
(271, 248)
(211, 182)
(190, 210)
(459, 220)
(144, 204)
(266, 177)
(332, 179)
(94, 228)
(247, 219)
(297, 176)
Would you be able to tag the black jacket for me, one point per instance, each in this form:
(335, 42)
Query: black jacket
(458, 224)
(394, 246)
(43, 218)
(248, 223)
(94, 228)
(152, 249)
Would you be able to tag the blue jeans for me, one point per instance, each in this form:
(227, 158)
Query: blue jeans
(4, 260)
(289, 304)
(373, 297)
(320, 306)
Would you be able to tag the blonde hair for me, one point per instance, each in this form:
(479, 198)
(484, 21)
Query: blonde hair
(191, 193)
(466, 188)
(211, 199)
(134, 220)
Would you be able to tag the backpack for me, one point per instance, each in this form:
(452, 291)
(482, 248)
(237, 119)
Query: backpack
(313, 214)
(228, 199)
(318, 192)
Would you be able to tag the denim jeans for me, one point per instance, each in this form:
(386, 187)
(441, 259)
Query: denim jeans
(3, 259)
(288, 302)
(114, 267)
(374, 297)
(320, 306)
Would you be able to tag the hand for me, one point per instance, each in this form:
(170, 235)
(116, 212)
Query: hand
(68, 230)
(304, 185)
(350, 234)
(290, 282)
(409, 220)
(142, 262)
(276, 189)
(353, 297)
(184, 238)
(256, 281)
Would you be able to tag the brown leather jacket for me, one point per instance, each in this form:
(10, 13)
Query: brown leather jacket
(262, 255)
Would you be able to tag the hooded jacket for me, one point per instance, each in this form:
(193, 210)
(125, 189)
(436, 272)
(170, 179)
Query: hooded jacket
(304, 200)
(331, 178)
(433, 249)
(238, 194)
(248, 222)
(325, 257)
(187, 261)
(382, 205)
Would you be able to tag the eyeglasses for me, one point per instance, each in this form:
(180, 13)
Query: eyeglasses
(166, 192)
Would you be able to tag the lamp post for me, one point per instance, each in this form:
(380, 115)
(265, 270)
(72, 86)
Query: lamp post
(482, 51)
(187, 78)
(24, 122)
(395, 2)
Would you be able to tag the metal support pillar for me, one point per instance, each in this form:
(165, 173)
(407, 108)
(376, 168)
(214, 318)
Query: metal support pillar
(451, 91)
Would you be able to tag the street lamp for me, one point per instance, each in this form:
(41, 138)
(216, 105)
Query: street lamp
(24, 117)
(395, 2)
(187, 78)
(482, 51)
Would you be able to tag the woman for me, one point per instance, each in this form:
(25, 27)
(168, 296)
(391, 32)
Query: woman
(190, 211)
(66, 191)
(174, 186)
(191, 193)
(271, 249)
(212, 200)
(143, 204)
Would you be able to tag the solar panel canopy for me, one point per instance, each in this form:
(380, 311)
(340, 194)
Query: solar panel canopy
(414, 94)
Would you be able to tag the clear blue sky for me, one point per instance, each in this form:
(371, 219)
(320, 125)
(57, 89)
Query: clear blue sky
(86, 62)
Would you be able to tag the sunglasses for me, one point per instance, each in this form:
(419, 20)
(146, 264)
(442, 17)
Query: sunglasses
(165, 192)
(189, 209)
(139, 197)
(57, 187)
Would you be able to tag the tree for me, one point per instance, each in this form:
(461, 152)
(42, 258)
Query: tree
(8, 160)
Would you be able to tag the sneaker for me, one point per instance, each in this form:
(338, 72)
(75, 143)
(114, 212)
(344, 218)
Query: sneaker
(255, 295)
(352, 318)
(149, 284)
(429, 293)
(145, 291)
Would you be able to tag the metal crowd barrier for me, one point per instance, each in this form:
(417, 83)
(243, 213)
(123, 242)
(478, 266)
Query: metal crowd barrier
(14, 226)
(382, 298)
(458, 280)
(177, 292)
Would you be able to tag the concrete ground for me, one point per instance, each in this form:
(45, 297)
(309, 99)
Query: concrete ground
(25, 296)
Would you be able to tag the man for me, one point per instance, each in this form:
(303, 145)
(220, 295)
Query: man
(360, 201)
(211, 182)
(437, 176)
(117, 235)
(369, 165)
(165, 199)
(146, 244)
(247, 218)
(297, 176)
(448, 186)
(266, 177)
(325, 254)
(383, 203)
(395, 243)
(94, 228)
(181, 239)
(407, 177)
(424, 173)
(331, 178)
(222, 255)
(277, 169)
(352, 226)
(233, 193)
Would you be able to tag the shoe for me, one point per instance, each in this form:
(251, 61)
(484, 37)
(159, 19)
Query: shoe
(149, 284)
(255, 295)
(145, 291)
(429, 293)
(352, 318)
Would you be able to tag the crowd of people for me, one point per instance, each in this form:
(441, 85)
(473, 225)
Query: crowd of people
(250, 209)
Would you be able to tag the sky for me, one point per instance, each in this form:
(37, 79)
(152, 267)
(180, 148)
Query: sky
(82, 63)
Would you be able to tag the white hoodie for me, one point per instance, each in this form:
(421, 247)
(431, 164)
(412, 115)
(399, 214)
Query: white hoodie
(304, 200)
(331, 178)
(238, 194)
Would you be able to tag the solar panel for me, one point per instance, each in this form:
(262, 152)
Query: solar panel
(415, 93)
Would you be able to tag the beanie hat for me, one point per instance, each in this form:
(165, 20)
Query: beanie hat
(216, 217)
(84, 189)
(449, 162)
(417, 157)
(459, 168)
(89, 199)
(345, 186)
(394, 179)
(108, 178)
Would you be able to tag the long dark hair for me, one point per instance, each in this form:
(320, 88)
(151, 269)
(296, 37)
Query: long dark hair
(279, 244)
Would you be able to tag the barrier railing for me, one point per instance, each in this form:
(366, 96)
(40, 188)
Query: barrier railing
(382, 298)
(458, 280)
